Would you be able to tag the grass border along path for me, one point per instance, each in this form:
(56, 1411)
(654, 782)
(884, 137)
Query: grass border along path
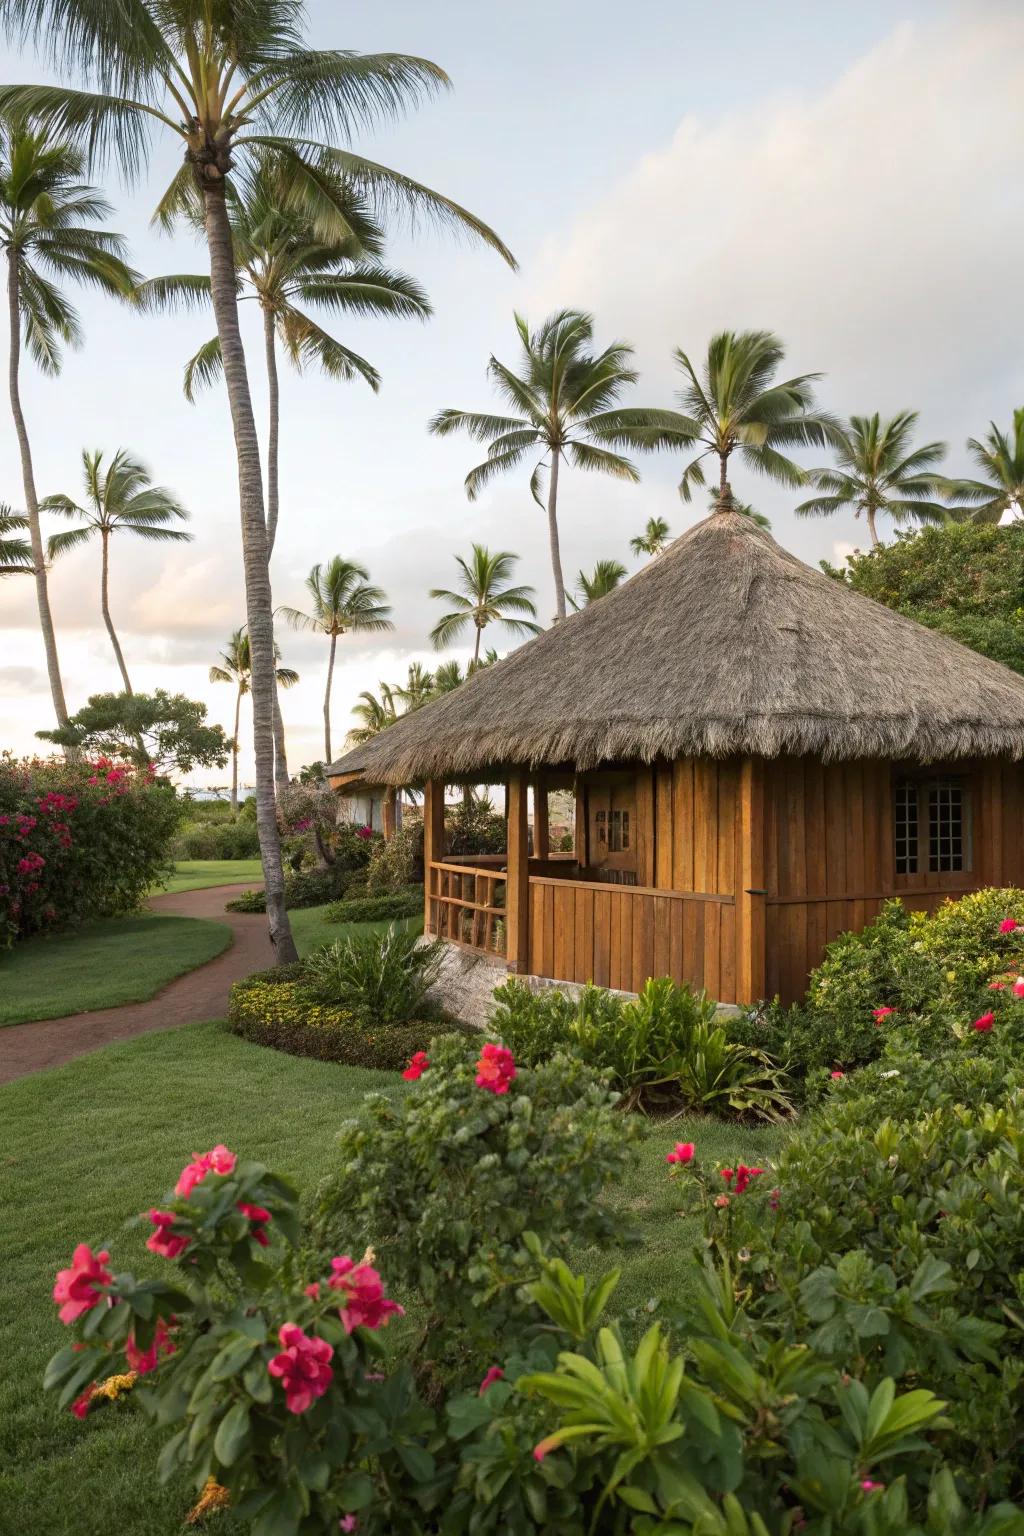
(200, 874)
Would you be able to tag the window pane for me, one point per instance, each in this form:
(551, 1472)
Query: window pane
(946, 831)
(905, 825)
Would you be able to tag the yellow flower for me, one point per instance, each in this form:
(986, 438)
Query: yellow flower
(212, 1498)
(114, 1387)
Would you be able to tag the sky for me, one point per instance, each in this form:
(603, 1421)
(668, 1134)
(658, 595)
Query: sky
(844, 174)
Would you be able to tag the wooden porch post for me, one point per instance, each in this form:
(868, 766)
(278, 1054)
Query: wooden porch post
(750, 894)
(517, 879)
(541, 839)
(433, 843)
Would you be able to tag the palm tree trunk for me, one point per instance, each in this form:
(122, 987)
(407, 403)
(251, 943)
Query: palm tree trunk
(105, 606)
(723, 479)
(258, 601)
(31, 501)
(234, 753)
(556, 558)
(273, 430)
(280, 748)
(327, 699)
(476, 647)
(872, 530)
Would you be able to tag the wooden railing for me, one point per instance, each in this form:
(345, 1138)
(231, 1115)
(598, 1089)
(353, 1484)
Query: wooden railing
(466, 901)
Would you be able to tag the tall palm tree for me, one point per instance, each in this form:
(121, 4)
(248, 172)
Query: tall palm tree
(604, 578)
(1000, 457)
(230, 80)
(653, 539)
(375, 712)
(121, 498)
(46, 210)
(286, 266)
(562, 397)
(341, 600)
(236, 668)
(419, 688)
(15, 549)
(878, 471)
(483, 597)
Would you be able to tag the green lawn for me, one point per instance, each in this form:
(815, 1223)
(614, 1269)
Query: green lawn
(117, 960)
(310, 927)
(198, 874)
(129, 1117)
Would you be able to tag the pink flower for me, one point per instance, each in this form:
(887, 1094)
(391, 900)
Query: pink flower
(364, 832)
(837, 1074)
(145, 1360)
(996, 986)
(76, 1290)
(302, 1367)
(496, 1069)
(869, 1486)
(30, 863)
(773, 1199)
(742, 1175)
(541, 1449)
(313, 1290)
(882, 1013)
(217, 1160)
(259, 1218)
(984, 1024)
(494, 1374)
(80, 1406)
(418, 1064)
(1018, 987)
(366, 1306)
(682, 1153)
(721, 1201)
(161, 1241)
(348, 1523)
(1008, 925)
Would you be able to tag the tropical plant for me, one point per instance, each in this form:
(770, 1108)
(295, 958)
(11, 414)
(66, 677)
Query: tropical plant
(419, 688)
(1000, 457)
(15, 549)
(375, 712)
(382, 977)
(563, 397)
(653, 539)
(878, 471)
(120, 497)
(166, 730)
(483, 596)
(341, 600)
(235, 667)
(728, 503)
(230, 81)
(604, 578)
(46, 210)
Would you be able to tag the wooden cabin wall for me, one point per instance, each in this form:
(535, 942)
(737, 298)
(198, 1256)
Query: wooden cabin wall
(829, 859)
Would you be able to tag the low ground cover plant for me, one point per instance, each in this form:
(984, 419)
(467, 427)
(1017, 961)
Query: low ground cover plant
(665, 1050)
(406, 902)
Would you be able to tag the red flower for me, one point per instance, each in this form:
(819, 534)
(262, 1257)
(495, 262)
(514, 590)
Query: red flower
(984, 1024)
(75, 1290)
(882, 1013)
(1008, 925)
(302, 1367)
(366, 1306)
(1018, 987)
(80, 1406)
(313, 1290)
(145, 1360)
(869, 1486)
(682, 1152)
(30, 863)
(541, 1449)
(161, 1241)
(418, 1064)
(743, 1176)
(996, 986)
(259, 1218)
(496, 1069)
(217, 1160)
(494, 1374)
(837, 1074)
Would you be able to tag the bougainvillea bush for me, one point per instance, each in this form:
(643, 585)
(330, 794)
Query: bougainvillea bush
(78, 840)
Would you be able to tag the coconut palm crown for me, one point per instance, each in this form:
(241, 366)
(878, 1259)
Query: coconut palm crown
(235, 667)
(1000, 457)
(484, 596)
(653, 539)
(15, 549)
(877, 470)
(119, 498)
(604, 578)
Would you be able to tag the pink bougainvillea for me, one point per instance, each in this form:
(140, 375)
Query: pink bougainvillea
(984, 1024)
(217, 1160)
(258, 1218)
(1009, 925)
(145, 1360)
(303, 1368)
(496, 1069)
(366, 1306)
(76, 1289)
(163, 1241)
(494, 1374)
(683, 1152)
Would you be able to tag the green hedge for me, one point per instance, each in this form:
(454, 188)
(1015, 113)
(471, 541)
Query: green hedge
(264, 1009)
(218, 840)
(304, 888)
(373, 909)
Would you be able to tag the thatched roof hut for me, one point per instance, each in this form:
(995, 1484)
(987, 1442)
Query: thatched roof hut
(760, 757)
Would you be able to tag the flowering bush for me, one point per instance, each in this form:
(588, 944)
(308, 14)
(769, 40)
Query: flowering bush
(78, 840)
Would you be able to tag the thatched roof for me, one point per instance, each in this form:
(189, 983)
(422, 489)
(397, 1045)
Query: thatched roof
(725, 643)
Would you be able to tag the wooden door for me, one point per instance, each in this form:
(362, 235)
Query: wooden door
(611, 807)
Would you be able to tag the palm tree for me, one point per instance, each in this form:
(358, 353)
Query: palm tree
(562, 398)
(374, 713)
(728, 503)
(342, 600)
(1000, 456)
(230, 81)
(653, 539)
(121, 498)
(878, 471)
(419, 688)
(604, 578)
(236, 668)
(46, 210)
(15, 549)
(287, 267)
(484, 597)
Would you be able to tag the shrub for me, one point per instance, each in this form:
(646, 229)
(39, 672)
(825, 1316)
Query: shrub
(218, 839)
(302, 888)
(78, 840)
(474, 826)
(664, 1049)
(247, 901)
(383, 977)
(393, 863)
(372, 909)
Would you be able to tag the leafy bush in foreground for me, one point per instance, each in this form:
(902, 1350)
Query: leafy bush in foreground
(382, 977)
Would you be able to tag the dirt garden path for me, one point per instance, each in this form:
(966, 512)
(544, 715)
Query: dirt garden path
(200, 994)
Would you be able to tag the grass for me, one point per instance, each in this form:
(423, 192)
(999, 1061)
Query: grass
(117, 960)
(311, 928)
(200, 874)
(129, 1117)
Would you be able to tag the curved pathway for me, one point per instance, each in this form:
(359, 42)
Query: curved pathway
(199, 994)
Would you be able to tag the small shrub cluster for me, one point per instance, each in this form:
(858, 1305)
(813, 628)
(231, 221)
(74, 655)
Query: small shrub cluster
(78, 840)
(302, 888)
(394, 863)
(380, 976)
(218, 839)
(664, 1050)
(407, 902)
(474, 826)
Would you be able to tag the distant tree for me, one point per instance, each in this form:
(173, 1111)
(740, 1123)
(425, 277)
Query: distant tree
(313, 773)
(419, 688)
(375, 712)
(604, 578)
(1000, 457)
(341, 600)
(165, 729)
(15, 550)
(964, 579)
(236, 667)
(483, 597)
(119, 498)
(564, 399)
(653, 539)
(878, 471)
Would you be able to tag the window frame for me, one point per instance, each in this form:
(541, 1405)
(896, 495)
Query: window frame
(915, 832)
